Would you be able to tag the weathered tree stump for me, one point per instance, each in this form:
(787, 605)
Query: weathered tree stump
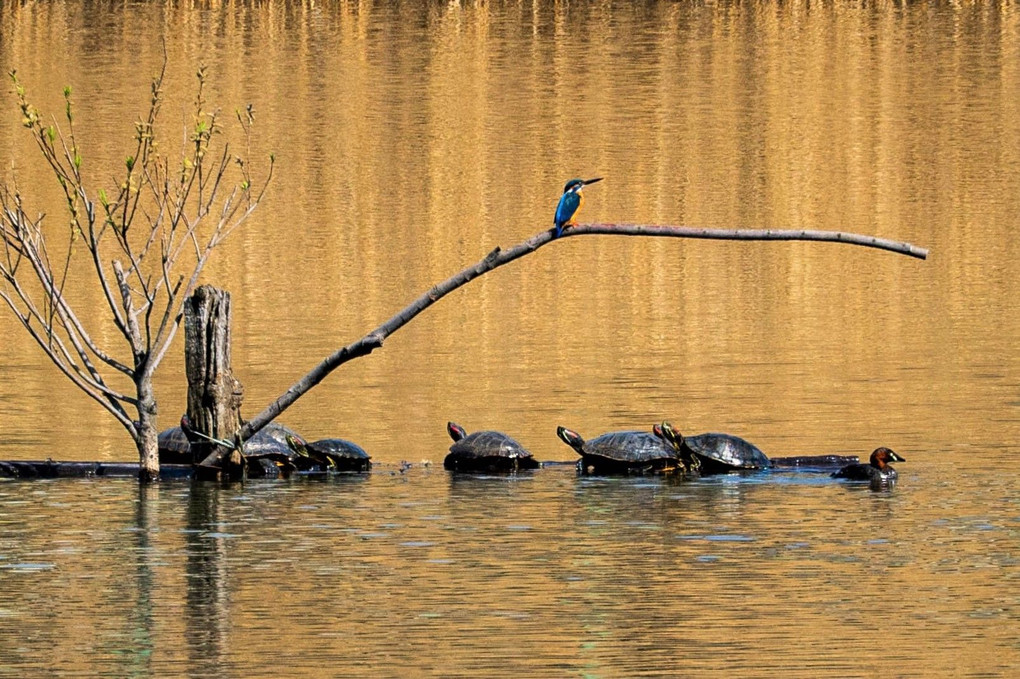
(214, 394)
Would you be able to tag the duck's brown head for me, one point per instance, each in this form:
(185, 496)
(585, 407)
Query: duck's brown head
(883, 456)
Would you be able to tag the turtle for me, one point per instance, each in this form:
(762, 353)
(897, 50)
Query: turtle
(267, 451)
(719, 453)
(174, 444)
(485, 451)
(333, 454)
(625, 452)
(716, 453)
(174, 447)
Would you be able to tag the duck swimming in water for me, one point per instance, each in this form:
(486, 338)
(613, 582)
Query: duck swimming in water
(876, 471)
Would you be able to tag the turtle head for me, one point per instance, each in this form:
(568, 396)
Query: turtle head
(189, 431)
(295, 443)
(674, 438)
(456, 431)
(570, 437)
(669, 434)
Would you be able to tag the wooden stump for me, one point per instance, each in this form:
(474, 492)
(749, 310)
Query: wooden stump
(214, 395)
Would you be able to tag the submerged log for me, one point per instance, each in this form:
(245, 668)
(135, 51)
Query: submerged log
(815, 461)
(51, 469)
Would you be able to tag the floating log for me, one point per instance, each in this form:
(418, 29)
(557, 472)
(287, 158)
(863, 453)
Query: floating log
(815, 461)
(51, 469)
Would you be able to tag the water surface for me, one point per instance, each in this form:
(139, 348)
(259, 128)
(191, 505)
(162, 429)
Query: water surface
(543, 574)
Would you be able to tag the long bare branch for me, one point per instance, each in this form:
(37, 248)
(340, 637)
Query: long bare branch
(749, 234)
(499, 257)
(134, 333)
(54, 345)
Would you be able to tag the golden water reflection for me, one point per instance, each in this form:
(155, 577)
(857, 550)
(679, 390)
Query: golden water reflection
(428, 574)
(412, 140)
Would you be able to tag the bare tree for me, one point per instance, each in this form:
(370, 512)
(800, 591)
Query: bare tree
(143, 244)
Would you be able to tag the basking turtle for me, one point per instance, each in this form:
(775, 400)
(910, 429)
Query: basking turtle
(267, 451)
(625, 452)
(174, 447)
(175, 443)
(268, 454)
(485, 451)
(333, 454)
(722, 453)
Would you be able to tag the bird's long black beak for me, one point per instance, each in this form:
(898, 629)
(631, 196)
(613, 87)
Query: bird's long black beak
(896, 458)
(592, 181)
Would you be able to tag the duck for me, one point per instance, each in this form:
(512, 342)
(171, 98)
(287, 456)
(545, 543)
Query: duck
(878, 468)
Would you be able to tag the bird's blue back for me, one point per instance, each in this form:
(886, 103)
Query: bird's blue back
(569, 202)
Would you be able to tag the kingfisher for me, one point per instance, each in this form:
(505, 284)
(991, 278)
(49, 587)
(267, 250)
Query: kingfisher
(570, 203)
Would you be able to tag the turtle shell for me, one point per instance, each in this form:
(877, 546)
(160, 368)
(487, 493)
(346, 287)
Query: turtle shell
(272, 438)
(346, 455)
(629, 446)
(174, 447)
(721, 453)
(488, 451)
(628, 452)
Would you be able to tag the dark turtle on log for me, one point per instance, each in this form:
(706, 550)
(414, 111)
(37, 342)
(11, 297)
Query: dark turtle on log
(485, 451)
(625, 452)
(723, 453)
(174, 447)
(266, 453)
(332, 454)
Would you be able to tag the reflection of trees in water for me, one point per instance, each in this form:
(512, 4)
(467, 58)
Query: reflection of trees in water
(207, 611)
(645, 574)
(146, 524)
